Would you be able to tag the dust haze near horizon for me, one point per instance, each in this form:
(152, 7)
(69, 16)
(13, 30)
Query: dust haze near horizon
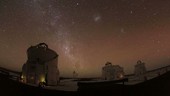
(87, 33)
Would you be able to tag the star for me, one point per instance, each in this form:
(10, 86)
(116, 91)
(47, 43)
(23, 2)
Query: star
(97, 18)
(77, 3)
(122, 30)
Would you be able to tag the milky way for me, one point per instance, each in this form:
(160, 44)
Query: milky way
(87, 33)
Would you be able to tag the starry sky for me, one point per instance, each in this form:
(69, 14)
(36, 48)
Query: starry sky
(87, 33)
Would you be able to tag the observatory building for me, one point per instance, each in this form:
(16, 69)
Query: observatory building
(140, 68)
(41, 66)
(140, 71)
(112, 72)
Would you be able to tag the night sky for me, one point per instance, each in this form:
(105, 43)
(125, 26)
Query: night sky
(87, 33)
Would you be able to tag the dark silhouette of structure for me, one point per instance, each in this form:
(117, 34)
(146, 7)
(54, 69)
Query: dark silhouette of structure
(41, 66)
(158, 86)
(112, 72)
